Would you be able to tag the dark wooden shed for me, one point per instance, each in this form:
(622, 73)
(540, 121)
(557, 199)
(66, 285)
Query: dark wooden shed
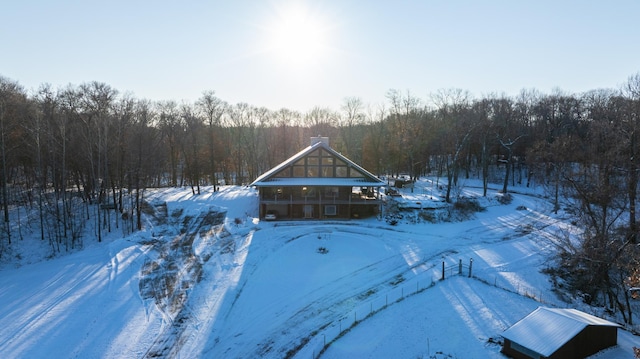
(558, 333)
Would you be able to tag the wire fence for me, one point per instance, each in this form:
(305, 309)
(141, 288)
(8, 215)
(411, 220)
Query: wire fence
(456, 269)
(319, 341)
(544, 296)
(518, 288)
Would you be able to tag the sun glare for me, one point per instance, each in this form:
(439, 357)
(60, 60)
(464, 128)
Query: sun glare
(298, 37)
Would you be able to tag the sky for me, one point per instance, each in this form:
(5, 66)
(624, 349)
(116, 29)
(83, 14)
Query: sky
(299, 54)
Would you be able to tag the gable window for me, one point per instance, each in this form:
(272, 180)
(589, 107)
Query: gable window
(298, 171)
(312, 171)
(320, 164)
(285, 173)
(353, 173)
(312, 161)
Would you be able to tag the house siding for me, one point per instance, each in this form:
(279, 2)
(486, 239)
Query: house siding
(513, 350)
(588, 342)
(347, 205)
(318, 183)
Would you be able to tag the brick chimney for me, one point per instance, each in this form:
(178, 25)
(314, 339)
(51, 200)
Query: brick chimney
(319, 138)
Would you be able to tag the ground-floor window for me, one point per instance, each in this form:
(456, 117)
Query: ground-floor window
(330, 210)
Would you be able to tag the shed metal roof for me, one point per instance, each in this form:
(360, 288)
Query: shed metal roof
(545, 330)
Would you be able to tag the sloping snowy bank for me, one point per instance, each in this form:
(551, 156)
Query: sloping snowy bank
(285, 289)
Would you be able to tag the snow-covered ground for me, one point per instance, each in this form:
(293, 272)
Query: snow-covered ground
(207, 279)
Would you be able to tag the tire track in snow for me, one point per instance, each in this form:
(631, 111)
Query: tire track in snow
(169, 279)
(335, 300)
(38, 314)
(328, 303)
(338, 308)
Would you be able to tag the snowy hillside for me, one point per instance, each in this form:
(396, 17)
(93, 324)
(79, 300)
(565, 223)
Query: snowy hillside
(207, 279)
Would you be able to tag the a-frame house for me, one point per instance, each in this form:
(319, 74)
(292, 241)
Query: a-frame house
(318, 183)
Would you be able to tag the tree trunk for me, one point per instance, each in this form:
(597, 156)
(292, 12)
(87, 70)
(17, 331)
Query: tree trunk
(506, 178)
(5, 197)
(632, 191)
(485, 168)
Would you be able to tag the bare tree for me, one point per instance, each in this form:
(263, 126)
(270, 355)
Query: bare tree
(284, 141)
(243, 120)
(171, 128)
(257, 143)
(123, 118)
(453, 112)
(145, 158)
(351, 120)
(481, 113)
(631, 129)
(191, 147)
(212, 109)
(508, 145)
(321, 121)
(405, 122)
(597, 265)
(12, 102)
(98, 99)
(373, 144)
(40, 130)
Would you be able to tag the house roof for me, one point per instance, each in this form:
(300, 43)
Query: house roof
(545, 330)
(319, 181)
(366, 179)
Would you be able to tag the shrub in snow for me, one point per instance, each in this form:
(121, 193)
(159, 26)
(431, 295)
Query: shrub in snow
(427, 216)
(467, 206)
(505, 198)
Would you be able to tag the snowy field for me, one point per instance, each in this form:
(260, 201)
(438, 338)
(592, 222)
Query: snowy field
(207, 279)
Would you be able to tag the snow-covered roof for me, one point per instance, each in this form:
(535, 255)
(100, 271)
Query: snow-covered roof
(267, 179)
(318, 181)
(545, 330)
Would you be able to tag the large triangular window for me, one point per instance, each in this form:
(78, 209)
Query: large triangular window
(319, 163)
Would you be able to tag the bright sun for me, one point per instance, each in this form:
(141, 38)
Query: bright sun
(297, 37)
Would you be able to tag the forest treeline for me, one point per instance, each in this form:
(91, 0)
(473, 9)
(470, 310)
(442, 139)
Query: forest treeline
(92, 149)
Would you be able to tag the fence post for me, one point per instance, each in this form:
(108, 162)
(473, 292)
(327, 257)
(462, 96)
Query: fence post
(470, 266)
(442, 270)
(460, 267)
